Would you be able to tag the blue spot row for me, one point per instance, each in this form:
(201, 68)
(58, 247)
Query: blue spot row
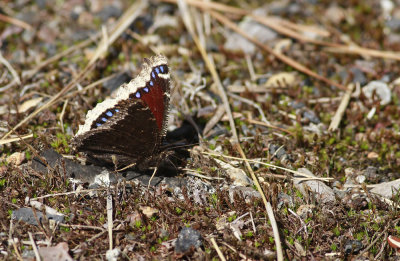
(154, 73)
(108, 114)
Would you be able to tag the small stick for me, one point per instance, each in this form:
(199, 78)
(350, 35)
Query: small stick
(210, 64)
(251, 103)
(221, 256)
(81, 227)
(110, 219)
(151, 178)
(67, 193)
(234, 250)
(250, 67)
(62, 115)
(270, 126)
(90, 240)
(268, 207)
(10, 68)
(11, 239)
(9, 140)
(15, 21)
(214, 119)
(269, 165)
(35, 250)
(342, 107)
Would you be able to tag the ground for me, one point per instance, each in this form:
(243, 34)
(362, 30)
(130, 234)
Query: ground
(306, 91)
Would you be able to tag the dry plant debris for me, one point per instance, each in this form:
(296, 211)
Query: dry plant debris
(288, 112)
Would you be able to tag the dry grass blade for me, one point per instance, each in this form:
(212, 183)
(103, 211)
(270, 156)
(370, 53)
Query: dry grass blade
(280, 56)
(90, 86)
(266, 203)
(34, 247)
(285, 27)
(342, 107)
(214, 120)
(354, 49)
(10, 68)
(253, 104)
(28, 74)
(187, 21)
(215, 245)
(9, 140)
(270, 126)
(15, 21)
(110, 219)
(308, 177)
(128, 17)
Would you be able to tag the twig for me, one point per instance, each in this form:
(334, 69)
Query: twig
(251, 103)
(35, 250)
(9, 140)
(354, 49)
(90, 239)
(10, 68)
(11, 239)
(342, 107)
(270, 126)
(221, 256)
(377, 257)
(81, 227)
(193, 173)
(110, 219)
(151, 178)
(268, 207)
(62, 115)
(67, 193)
(390, 224)
(234, 250)
(15, 21)
(214, 119)
(252, 222)
(269, 165)
(250, 67)
(90, 86)
(28, 74)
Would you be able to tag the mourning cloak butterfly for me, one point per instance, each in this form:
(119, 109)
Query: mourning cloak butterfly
(129, 128)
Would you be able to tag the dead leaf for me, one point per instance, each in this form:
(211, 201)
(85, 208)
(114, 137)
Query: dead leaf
(148, 211)
(283, 79)
(29, 104)
(16, 158)
(373, 155)
(58, 252)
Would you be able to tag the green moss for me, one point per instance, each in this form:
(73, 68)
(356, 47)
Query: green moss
(2, 183)
(178, 210)
(28, 155)
(336, 231)
(138, 224)
(65, 229)
(364, 146)
(360, 235)
(271, 240)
